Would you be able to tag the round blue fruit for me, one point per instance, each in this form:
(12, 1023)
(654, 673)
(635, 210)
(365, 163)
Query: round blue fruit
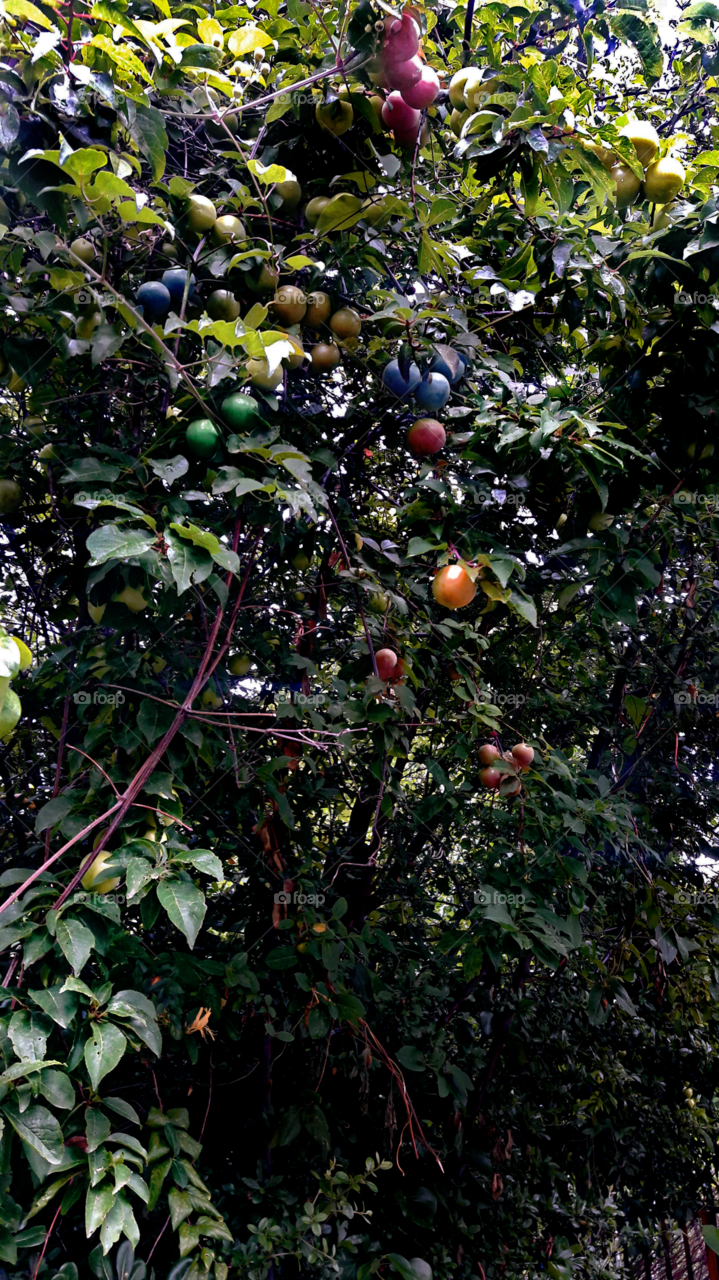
(433, 391)
(394, 382)
(154, 298)
(450, 363)
(174, 281)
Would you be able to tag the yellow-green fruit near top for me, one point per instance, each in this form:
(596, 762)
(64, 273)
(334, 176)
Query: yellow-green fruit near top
(457, 84)
(301, 562)
(83, 250)
(228, 229)
(201, 213)
(10, 712)
(25, 653)
(239, 664)
(334, 117)
(664, 180)
(645, 139)
(290, 193)
(314, 208)
(133, 598)
(10, 497)
(626, 185)
(92, 880)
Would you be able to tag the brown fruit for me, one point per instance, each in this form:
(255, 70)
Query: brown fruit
(319, 309)
(523, 755)
(324, 356)
(346, 323)
(289, 305)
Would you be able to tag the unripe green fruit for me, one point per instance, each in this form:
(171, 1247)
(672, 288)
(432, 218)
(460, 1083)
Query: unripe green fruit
(222, 305)
(202, 437)
(228, 229)
(626, 184)
(314, 208)
(664, 180)
(201, 214)
(240, 411)
(10, 497)
(10, 712)
(267, 279)
(239, 664)
(290, 193)
(87, 325)
(301, 562)
(83, 250)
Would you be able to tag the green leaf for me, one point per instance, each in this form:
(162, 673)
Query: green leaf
(420, 546)
(76, 942)
(122, 1108)
(98, 1204)
(112, 542)
(184, 904)
(411, 1058)
(151, 136)
(180, 1206)
(140, 1012)
(645, 38)
(189, 563)
(38, 1129)
(97, 1128)
(58, 1089)
(89, 471)
(28, 1033)
(205, 861)
(341, 213)
(60, 1005)
(103, 1051)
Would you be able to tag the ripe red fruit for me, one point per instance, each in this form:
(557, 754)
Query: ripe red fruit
(424, 91)
(523, 754)
(426, 436)
(488, 752)
(490, 778)
(401, 38)
(386, 660)
(399, 117)
(401, 75)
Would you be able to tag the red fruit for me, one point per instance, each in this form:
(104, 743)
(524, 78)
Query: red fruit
(386, 664)
(402, 75)
(488, 752)
(401, 38)
(424, 91)
(510, 786)
(426, 436)
(399, 117)
(490, 778)
(523, 754)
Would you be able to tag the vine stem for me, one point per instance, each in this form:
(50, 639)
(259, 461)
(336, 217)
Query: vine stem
(47, 1241)
(118, 810)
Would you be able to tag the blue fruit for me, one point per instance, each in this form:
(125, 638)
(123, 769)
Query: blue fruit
(394, 382)
(174, 281)
(450, 363)
(433, 391)
(154, 299)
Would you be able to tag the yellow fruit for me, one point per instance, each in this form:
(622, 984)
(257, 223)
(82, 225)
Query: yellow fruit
(334, 117)
(91, 879)
(239, 664)
(201, 214)
(260, 375)
(664, 180)
(457, 119)
(83, 250)
(25, 654)
(133, 598)
(375, 211)
(645, 139)
(476, 90)
(298, 356)
(227, 229)
(210, 699)
(301, 562)
(457, 85)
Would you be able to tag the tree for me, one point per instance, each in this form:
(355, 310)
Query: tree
(285, 985)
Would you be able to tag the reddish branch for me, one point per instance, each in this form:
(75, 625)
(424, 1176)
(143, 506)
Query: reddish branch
(412, 1121)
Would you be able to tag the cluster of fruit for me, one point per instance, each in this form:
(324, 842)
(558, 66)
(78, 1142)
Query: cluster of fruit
(431, 389)
(663, 177)
(507, 782)
(412, 85)
(471, 95)
(14, 657)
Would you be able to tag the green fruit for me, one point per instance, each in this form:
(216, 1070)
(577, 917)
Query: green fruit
(457, 85)
(133, 598)
(378, 602)
(10, 497)
(626, 185)
(228, 229)
(314, 208)
(664, 180)
(25, 653)
(267, 279)
(10, 712)
(87, 325)
(239, 411)
(290, 193)
(83, 249)
(4, 214)
(202, 437)
(201, 214)
(239, 664)
(334, 117)
(222, 305)
(301, 562)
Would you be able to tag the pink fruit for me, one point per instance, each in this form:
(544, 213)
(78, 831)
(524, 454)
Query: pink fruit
(399, 117)
(402, 75)
(523, 755)
(488, 752)
(401, 38)
(386, 663)
(490, 778)
(425, 437)
(424, 91)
